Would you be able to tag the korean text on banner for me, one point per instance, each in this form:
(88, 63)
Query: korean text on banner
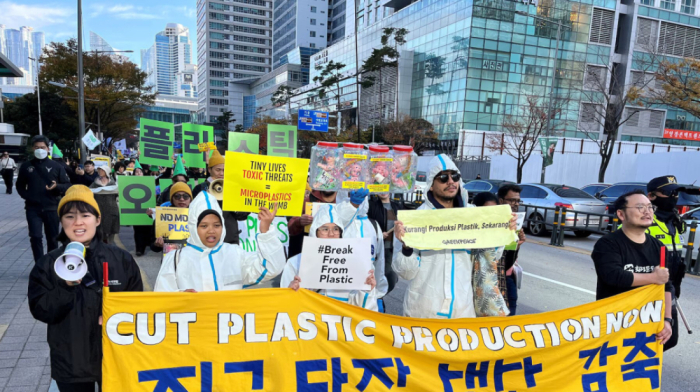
(244, 142)
(136, 195)
(458, 228)
(254, 181)
(192, 135)
(156, 142)
(281, 140)
(282, 340)
(171, 223)
(335, 264)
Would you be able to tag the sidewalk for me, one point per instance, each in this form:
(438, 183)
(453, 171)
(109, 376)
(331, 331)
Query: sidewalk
(24, 353)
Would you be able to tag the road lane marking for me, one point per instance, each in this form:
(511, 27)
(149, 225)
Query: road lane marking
(559, 283)
(144, 278)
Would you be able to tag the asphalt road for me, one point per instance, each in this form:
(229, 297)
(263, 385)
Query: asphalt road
(555, 278)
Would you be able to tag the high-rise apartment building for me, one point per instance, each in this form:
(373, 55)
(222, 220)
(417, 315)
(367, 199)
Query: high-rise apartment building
(234, 49)
(170, 55)
(98, 44)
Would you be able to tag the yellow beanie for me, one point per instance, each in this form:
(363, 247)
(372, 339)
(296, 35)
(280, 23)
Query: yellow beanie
(79, 193)
(215, 159)
(179, 187)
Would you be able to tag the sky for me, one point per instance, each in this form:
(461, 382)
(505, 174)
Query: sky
(127, 25)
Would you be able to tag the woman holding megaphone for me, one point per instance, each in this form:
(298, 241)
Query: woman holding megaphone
(65, 291)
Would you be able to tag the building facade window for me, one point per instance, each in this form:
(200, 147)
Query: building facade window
(313, 9)
(688, 7)
(312, 33)
(313, 22)
(668, 4)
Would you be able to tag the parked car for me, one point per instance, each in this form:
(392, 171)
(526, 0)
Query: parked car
(689, 217)
(593, 189)
(554, 195)
(686, 200)
(474, 187)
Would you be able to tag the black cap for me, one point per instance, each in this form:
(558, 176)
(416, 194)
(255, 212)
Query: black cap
(665, 184)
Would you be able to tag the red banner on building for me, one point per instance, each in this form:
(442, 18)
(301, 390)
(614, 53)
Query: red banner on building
(681, 134)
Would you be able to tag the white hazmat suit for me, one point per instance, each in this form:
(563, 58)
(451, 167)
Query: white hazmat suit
(224, 267)
(328, 213)
(440, 280)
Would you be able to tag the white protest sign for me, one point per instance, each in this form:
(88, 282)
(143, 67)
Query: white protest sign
(120, 145)
(335, 264)
(90, 140)
(249, 227)
(520, 220)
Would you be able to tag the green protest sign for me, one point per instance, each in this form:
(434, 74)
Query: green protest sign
(192, 183)
(282, 140)
(136, 195)
(244, 142)
(156, 142)
(192, 136)
(548, 145)
(164, 183)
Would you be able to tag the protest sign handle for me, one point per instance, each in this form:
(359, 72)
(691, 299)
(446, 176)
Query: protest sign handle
(663, 257)
(105, 273)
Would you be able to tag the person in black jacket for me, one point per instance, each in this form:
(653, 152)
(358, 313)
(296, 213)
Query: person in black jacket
(384, 210)
(72, 309)
(41, 182)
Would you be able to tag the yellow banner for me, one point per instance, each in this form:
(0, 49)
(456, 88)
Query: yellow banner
(458, 228)
(171, 223)
(252, 181)
(281, 340)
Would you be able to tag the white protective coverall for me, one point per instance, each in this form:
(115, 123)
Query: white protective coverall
(328, 213)
(358, 225)
(440, 280)
(224, 267)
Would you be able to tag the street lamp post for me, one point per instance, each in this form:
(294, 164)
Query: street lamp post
(81, 85)
(38, 94)
(554, 73)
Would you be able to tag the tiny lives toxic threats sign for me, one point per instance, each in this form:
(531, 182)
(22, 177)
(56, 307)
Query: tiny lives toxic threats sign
(335, 264)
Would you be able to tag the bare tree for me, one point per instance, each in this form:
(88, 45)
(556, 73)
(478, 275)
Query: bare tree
(523, 126)
(609, 100)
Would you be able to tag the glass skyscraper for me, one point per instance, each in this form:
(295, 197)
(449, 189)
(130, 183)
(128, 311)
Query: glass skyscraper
(170, 54)
(19, 45)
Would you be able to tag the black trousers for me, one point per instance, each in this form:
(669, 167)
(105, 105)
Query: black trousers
(36, 219)
(143, 237)
(77, 387)
(7, 177)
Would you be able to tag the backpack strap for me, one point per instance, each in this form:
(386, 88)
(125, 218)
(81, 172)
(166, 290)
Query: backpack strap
(177, 258)
(374, 225)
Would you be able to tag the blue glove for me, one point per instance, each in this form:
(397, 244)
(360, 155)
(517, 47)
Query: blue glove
(358, 196)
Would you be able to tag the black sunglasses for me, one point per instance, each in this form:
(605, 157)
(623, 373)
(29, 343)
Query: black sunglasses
(443, 178)
(181, 196)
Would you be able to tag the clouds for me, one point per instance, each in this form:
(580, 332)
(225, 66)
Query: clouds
(38, 16)
(122, 11)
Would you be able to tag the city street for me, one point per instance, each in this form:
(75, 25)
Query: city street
(555, 278)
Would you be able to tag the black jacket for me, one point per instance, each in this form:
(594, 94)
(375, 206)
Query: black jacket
(378, 212)
(31, 185)
(86, 179)
(72, 312)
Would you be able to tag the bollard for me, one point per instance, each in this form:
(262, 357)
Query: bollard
(688, 259)
(555, 227)
(562, 224)
(615, 223)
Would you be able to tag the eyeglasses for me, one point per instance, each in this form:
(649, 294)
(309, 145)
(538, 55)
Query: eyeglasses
(651, 208)
(444, 177)
(513, 201)
(181, 196)
(326, 230)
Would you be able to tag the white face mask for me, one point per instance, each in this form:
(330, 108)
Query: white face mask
(40, 153)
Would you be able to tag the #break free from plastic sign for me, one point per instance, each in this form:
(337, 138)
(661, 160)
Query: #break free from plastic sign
(254, 181)
(335, 264)
(283, 340)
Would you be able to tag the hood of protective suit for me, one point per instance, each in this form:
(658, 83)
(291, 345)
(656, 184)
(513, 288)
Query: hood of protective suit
(327, 213)
(204, 201)
(443, 162)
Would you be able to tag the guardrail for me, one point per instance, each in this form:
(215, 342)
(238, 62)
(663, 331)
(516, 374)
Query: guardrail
(561, 224)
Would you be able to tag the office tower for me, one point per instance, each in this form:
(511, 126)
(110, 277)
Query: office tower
(299, 24)
(170, 54)
(19, 45)
(234, 49)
